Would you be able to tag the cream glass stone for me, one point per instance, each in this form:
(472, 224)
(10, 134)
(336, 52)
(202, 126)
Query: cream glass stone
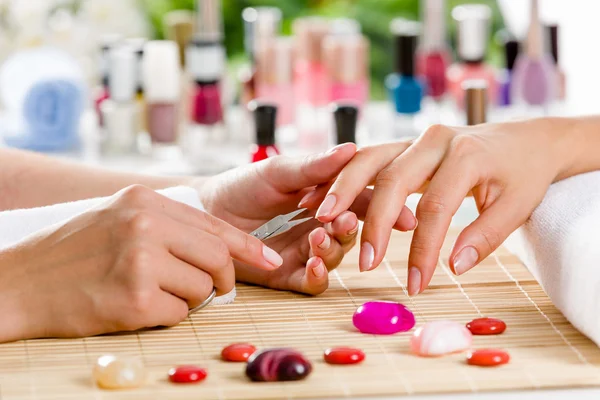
(112, 372)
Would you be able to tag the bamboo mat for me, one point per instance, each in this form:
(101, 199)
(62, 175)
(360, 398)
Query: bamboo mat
(546, 351)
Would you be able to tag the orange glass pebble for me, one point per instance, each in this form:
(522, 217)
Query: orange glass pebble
(238, 352)
(343, 355)
(486, 326)
(488, 357)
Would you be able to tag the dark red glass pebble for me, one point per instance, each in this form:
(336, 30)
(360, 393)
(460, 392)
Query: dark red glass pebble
(277, 365)
(486, 326)
(238, 352)
(343, 355)
(488, 357)
(187, 374)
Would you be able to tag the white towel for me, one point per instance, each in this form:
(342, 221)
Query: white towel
(560, 245)
(15, 225)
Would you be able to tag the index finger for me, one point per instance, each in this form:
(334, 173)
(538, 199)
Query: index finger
(356, 176)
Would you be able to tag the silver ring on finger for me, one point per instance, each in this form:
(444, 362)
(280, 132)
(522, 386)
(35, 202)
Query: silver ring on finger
(206, 302)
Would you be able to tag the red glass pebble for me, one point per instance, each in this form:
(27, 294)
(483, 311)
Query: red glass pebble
(187, 374)
(486, 326)
(343, 355)
(488, 357)
(238, 352)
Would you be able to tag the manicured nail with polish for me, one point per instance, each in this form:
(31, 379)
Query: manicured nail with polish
(353, 230)
(414, 281)
(416, 224)
(327, 206)
(306, 198)
(324, 245)
(367, 255)
(336, 148)
(319, 270)
(465, 260)
(272, 257)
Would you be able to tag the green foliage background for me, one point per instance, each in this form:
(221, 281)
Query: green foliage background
(374, 16)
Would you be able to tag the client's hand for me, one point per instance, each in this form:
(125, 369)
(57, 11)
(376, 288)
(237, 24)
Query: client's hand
(140, 260)
(249, 196)
(507, 168)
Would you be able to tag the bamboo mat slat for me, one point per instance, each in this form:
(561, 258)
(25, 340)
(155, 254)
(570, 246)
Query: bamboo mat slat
(546, 351)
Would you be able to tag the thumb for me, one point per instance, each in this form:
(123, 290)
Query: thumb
(293, 174)
(488, 232)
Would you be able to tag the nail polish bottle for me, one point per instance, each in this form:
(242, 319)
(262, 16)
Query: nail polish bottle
(265, 115)
(137, 45)
(205, 57)
(534, 75)
(274, 77)
(473, 26)
(345, 118)
(310, 75)
(347, 64)
(561, 77)
(405, 89)
(162, 89)
(121, 112)
(511, 51)
(102, 92)
(476, 102)
(433, 56)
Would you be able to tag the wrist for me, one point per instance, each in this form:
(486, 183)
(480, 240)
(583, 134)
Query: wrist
(17, 321)
(578, 141)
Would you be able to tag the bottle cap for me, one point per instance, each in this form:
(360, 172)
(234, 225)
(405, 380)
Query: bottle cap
(179, 27)
(406, 35)
(260, 24)
(161, 71)
(534, 43)
(264, 119)
(553, 35)
(205, 60)
(274, 61)
(209, 25)
(345, 26)
(122, 74)
(345, 116)
(310, 33)
(473, 25)
(433, 15)
(106, 43)
(346, 57)
(475, 100)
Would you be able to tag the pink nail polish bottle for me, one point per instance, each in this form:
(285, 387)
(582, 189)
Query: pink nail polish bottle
(473, 29)
(205, 57)
(347, 64)
(310, 75)
(274, 81)
(534, 77)
(102, 92)
(162, 87)
(265, 115)
(433, 56)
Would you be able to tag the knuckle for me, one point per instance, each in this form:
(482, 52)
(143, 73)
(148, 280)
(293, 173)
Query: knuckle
(387, 178)
(138, 262)
(137, 195)
(491, 237)
(431, 204)
(140, 223)
(436, 132)
(140, 303)
(221, 256)
(463, 145)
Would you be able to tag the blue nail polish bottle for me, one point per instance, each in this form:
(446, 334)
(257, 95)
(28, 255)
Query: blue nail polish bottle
(405, 90)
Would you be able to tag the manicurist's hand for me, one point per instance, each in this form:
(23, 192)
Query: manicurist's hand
(139, 260)
(507, 168)
(248, 197)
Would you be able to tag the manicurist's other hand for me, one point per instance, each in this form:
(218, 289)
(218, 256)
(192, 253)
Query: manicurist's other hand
(249, 196)
(507, 168)
(139, 260)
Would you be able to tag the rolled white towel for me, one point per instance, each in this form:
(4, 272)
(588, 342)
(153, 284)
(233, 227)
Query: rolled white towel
(15, 225)
(560, 245)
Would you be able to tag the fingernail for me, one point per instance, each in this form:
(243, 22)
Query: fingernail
(465, 260)
(327, 206)
(367, 255)
(336, 148)
(306, 198)
(272, 256)
(353, 230)
(319, 270)
(414, 281)
(324, 245)
(416, 223)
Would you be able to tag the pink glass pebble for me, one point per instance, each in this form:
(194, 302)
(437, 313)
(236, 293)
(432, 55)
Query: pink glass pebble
(383, 318)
